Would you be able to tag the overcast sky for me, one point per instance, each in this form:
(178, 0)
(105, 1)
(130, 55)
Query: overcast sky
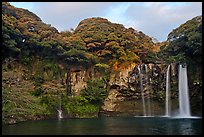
(155, 19)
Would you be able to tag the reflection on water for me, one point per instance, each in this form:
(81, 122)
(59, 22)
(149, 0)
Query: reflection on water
(185, 128)
(108, 126)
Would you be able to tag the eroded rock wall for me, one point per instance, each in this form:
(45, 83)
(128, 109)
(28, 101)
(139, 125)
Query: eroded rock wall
(125, 96)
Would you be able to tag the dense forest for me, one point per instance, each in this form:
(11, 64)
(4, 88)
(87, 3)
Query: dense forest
(40, 64)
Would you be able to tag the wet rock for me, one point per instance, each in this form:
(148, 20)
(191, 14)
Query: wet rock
(12, 121)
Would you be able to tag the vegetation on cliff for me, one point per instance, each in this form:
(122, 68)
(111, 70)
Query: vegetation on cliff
(185, 43)
(95, 40)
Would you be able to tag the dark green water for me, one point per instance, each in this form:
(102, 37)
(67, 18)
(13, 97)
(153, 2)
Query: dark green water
(107, 126)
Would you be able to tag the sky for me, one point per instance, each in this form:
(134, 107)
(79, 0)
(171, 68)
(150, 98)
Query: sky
(155, 19)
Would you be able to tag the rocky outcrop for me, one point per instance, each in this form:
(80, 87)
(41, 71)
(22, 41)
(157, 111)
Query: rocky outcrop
(79, 78)
(125, 89)
(125, 95)
(78, 81)
(121, 78)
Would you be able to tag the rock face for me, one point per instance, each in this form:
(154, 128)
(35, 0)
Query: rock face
(80, 77)
(110, 103)
(78, 81)
(121, 78)
(125, 95)
(126, 89)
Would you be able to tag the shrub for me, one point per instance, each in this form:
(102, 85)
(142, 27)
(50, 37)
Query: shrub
(79, 106)
(38, 91)
(95, 91)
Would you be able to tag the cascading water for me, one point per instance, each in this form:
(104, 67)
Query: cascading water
(184, 104)
(60, 114)
(168, 103)
(60, 109)
(141, 87)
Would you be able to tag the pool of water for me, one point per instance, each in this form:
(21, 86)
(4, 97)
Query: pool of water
(108, 126)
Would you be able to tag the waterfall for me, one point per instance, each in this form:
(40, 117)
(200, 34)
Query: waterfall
(60, 108)
(184, 104)
(168, 103)
(142, 92)
(60, 114)
(148, 96)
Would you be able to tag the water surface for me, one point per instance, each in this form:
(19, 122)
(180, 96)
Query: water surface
(108, 126)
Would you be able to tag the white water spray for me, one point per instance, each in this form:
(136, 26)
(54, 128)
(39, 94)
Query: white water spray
(60, 109)
(60, 114)
(184, 103)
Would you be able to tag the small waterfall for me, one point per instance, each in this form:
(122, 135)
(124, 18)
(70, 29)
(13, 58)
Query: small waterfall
(168, 103)
(60, 108)
(184, 104)
(59, 114)
(142, 92)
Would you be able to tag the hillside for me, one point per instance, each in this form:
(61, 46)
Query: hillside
(185, 43)
(111, 41)
(95, 40)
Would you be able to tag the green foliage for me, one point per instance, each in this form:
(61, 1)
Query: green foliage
(38, 91)
(66, 33)
(10, 38)
(51, 102)
(20, 106)
(26, 60)
(186, 43)
(149, 58)
(102, 65)
(79, 57)
(50, 66)
(95, 92)
(38, 80)
(116, 42)
(112, 37)
(79, 106)
(18, 39)
(95, 40)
